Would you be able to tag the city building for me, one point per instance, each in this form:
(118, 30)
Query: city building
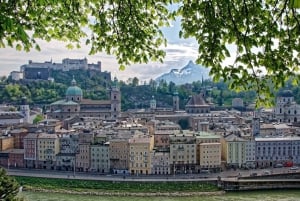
(119, 155)
(11, 118)
(16, 75)
(100, 159)
(47, 149)
(208, 151)
(6, 142)
(197, 105)
(30, 150)
(83, 154)
(74, 105)
(277, 150)
(210, 156)
(12, 158)
(286, 109)
(160, 162)
(275, 129)
(237, 103)
(234, 151)
(162, 138)
(18, 135)
(65, 159)
(140, 147)
(183, 152)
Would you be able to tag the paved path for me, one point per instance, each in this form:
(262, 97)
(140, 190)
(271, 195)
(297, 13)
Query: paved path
(225, 175)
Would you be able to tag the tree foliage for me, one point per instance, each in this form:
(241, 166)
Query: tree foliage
(42, 93)
(264, 33)
(38, 118)
(9, 188)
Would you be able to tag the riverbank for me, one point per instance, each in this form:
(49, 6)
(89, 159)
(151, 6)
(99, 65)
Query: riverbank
(122, 194)
(270, 195)
(119, 188)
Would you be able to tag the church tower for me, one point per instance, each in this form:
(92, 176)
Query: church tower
(152, 103)
(115, 97)
(175, 101)
(255, 126)
(24, 109)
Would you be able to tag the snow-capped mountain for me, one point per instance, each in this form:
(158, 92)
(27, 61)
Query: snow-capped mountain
(188, 74)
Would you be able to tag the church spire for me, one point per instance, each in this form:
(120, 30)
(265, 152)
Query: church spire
(73, 82)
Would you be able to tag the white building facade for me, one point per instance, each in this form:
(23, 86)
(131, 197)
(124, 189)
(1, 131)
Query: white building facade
(275, 150)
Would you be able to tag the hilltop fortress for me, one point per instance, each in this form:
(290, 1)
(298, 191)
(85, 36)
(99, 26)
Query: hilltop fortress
(37, 70)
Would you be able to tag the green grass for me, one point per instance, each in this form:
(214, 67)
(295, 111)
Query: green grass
(113, 186)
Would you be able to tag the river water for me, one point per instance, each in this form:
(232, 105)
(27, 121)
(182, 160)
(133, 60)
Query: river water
(275, 195)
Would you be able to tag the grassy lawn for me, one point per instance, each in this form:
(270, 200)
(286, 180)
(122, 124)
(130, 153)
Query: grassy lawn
(124, 186)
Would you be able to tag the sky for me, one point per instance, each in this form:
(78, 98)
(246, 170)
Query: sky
(178, 53)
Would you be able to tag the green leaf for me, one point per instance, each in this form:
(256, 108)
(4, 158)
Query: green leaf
(18, 47)
(121, 67)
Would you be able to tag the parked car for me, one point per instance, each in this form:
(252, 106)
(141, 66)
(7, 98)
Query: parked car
(253, 174)
(294, 168)
(205, 171)
(289, 164)
(278, 165)
(266, 172)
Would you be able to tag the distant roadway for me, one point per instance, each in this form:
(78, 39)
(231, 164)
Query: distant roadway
(225, 175)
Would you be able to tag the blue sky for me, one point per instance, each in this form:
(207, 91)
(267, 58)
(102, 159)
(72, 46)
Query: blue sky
(178, 53)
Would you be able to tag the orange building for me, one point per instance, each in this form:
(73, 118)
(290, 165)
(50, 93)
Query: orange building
(6, 142)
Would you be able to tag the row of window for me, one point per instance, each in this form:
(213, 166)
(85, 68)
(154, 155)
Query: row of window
(102, 161)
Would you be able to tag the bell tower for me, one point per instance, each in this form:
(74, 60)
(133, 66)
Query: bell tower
(175, 101)
(115, 98)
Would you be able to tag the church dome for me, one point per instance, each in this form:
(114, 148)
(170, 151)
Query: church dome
(74, 90)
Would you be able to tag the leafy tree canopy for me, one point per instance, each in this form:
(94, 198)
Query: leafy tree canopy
(9, 188)
(264, 33)
(38, 118)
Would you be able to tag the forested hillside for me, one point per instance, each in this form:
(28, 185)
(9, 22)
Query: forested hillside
(97, 87)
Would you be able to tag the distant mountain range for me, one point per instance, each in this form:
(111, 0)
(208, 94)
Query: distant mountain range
(188, 74)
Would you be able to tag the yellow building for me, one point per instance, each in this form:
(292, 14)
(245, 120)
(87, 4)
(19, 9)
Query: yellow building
(208, 151)
(210, 155)
(47, 148)
(140, 147)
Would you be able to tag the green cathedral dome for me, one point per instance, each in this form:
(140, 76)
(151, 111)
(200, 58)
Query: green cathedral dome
(74, 90)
